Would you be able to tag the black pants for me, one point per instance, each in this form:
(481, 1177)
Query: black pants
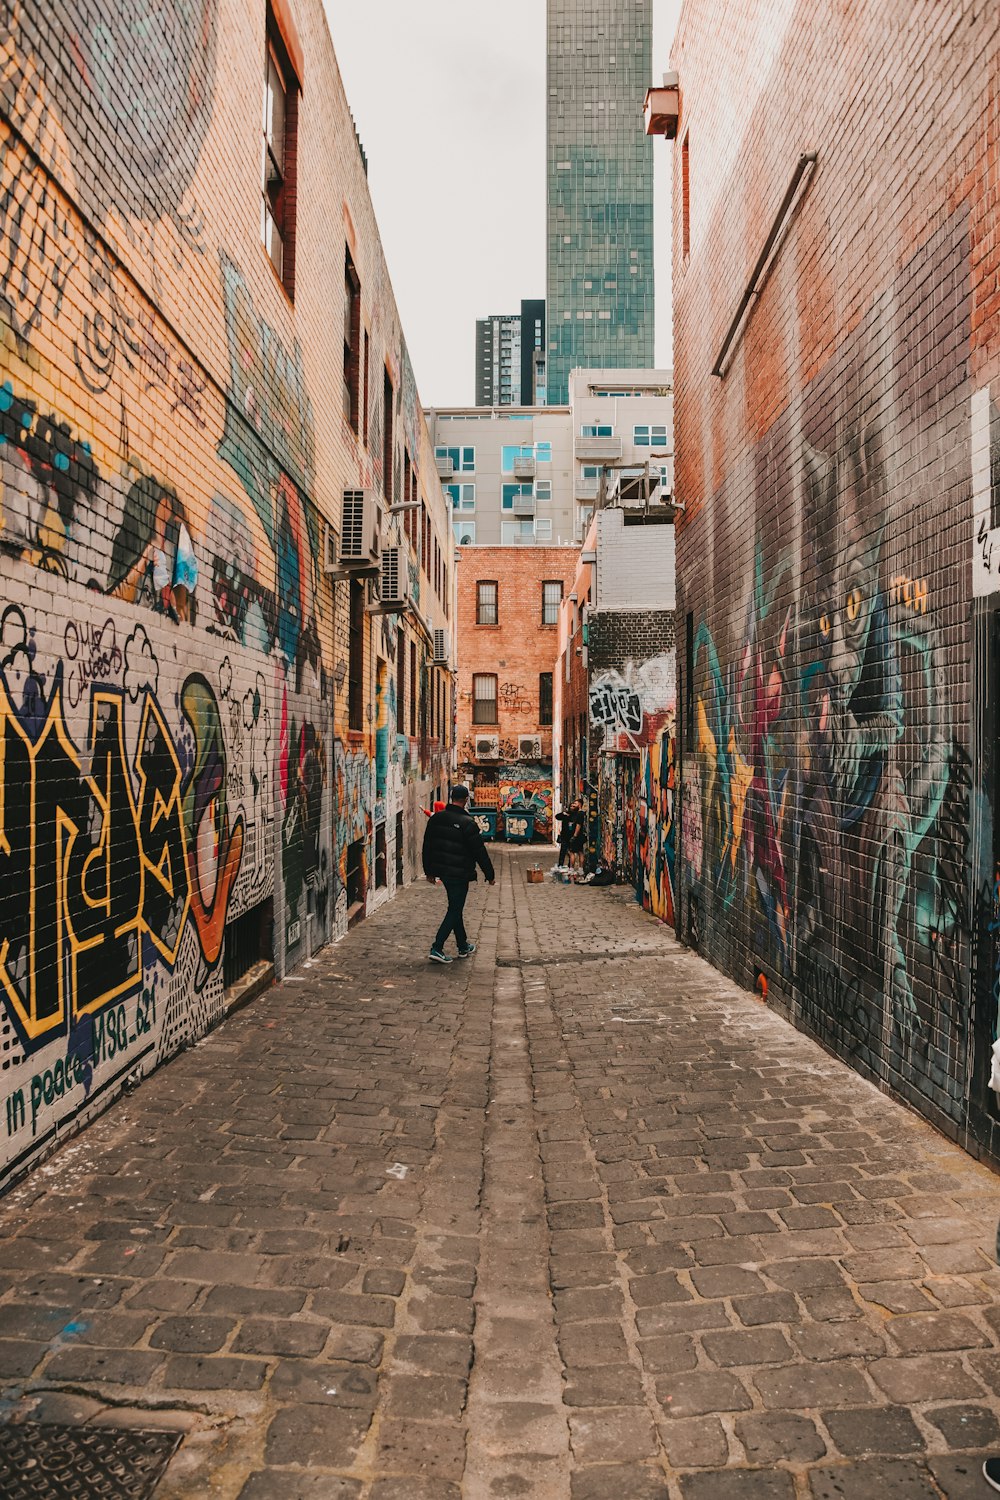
(453, 921)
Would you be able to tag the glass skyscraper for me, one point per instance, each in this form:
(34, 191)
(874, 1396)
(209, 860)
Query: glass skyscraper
(600, 189)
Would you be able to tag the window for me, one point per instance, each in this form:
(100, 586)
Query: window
(463, 459)
(649, 437)
(592, 471)
(484, 698)
(352, 342)
(400, 682)
(413, 690)
(511, 492)
(487, 602)
(685, 199)
(364, 414)
(545, 698)
(387, 443)
(278, 157)
(510, 453)
(518, 531)
(597, 429)
(463, 496)
(543, 529)
(465, 533)
(552, 592)
(543, 489)
(356, 657)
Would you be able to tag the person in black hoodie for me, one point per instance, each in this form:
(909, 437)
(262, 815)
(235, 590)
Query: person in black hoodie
(453, 847)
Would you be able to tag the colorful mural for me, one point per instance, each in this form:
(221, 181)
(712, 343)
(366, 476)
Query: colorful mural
(827, 804)
(123, 854)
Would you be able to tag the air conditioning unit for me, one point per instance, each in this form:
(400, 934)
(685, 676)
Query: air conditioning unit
(360, 531)
(441, 648)
(529, 747)
(487, 747)
(395, 578)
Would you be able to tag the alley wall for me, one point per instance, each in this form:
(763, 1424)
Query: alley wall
(838, 553)
(508, 638)
(211, 756)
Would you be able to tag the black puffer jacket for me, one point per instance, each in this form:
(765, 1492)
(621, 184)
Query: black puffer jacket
(453, 846)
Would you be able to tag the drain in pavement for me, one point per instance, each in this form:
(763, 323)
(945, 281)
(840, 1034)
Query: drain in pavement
(46, 1461)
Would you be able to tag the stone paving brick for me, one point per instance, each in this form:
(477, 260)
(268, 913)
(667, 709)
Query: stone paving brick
(924, 1378)
(680, 1259)
(695, 1442)
(802, 1387)
(700, 1392)
(769, 1437)
(895, 1477)
(614, 1481)
(738, 1484)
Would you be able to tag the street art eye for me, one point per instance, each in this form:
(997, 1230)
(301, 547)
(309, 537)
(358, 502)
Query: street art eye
(824, 624)
(853, 605)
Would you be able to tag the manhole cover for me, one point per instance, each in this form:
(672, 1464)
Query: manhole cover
(43, 1461)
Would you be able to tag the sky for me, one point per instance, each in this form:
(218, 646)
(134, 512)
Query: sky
(449, 101)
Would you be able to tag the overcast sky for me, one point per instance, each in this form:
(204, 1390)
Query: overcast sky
(449, 99)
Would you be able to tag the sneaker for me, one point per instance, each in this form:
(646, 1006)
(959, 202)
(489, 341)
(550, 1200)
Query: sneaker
(437, 957)
(467, 951)
(991, 1473)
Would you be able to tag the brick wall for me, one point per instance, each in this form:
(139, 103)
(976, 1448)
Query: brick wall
(181, 791)
(837, 558)
(517, 650)
(632, 707)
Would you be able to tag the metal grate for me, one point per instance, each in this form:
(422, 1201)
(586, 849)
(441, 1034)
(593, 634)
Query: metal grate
(45, 1461)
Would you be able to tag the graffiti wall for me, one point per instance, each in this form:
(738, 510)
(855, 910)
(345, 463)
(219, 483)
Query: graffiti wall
(632, 708)
(826, 798)
(136, 821)
(180, 801)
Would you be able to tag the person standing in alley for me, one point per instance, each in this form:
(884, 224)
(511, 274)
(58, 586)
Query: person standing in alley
(569, 822)
(453, 849)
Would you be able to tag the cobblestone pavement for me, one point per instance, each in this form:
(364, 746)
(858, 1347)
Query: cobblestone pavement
(574, 1219)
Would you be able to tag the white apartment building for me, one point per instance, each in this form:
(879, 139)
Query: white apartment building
(533, 475)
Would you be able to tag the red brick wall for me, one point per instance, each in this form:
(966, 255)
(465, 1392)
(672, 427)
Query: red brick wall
(517, 649)
(836, 728)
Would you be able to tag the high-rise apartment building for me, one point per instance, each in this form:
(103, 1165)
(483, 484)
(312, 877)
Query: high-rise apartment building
(599, 169)
(510, 357)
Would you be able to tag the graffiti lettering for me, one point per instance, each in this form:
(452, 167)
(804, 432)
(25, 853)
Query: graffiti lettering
(910, 592)
(95, 655)
(514, 698)
(616, 708)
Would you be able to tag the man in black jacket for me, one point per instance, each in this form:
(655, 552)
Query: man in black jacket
(453, 847)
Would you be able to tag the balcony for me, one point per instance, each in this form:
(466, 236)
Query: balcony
(589, 449)
(524, 505)
(524, 466)
(587, 489)
(445, 466)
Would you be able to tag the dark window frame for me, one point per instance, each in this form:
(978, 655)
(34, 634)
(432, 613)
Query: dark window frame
(495, 701)
(352, 343)
(545, 683)
(552, 583)
(279, 187)
(356, 656)
(485, 606)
